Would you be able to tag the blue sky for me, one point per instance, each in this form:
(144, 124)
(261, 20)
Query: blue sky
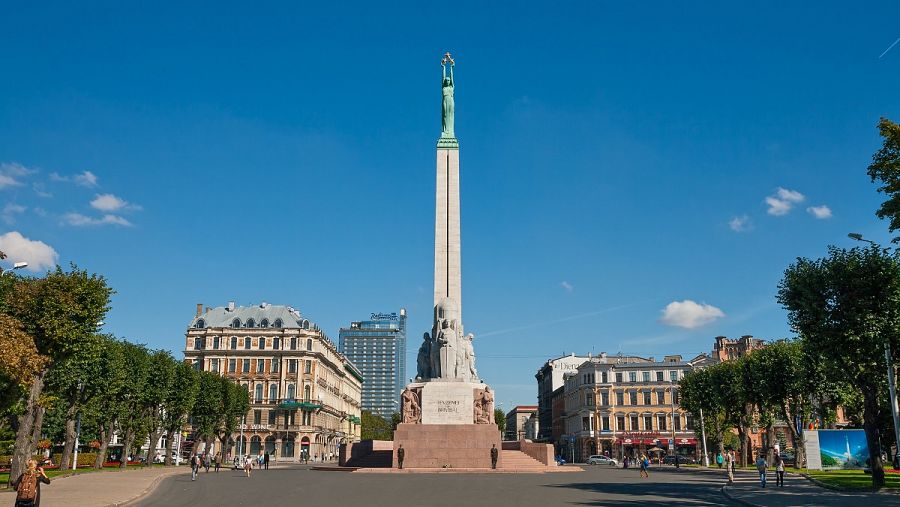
(279, 153)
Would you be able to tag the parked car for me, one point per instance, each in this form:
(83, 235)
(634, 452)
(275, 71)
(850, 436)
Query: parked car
(789, 459)
(682, 460)
(598, 459)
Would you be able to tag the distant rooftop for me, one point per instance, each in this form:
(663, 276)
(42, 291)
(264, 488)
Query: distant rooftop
(262, 315)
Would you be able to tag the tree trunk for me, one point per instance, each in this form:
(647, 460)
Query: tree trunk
(870, 424)
(24, 436)
(798, 440)
(742, 437)
(223, 443)
(151, 448)
(126, 448)
(66, 458)
(38, 422)
(105, 437)
(170, 434)
(770, 443)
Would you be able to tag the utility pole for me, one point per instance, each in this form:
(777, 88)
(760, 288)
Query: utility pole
(703, 436)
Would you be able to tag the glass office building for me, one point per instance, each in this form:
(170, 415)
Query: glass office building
(378, 348)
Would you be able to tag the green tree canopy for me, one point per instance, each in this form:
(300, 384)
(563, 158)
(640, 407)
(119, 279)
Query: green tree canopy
(885, 169)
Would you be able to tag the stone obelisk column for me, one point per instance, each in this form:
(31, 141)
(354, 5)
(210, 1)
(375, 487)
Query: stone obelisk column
(447, 268)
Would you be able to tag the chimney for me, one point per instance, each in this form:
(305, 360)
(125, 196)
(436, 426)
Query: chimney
(199, 309)
(231, 306)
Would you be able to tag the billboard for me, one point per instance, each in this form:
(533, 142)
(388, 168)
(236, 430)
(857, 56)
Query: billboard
(836, 449)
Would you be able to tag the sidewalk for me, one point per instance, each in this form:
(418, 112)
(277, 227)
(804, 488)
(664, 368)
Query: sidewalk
(797, 491)
(106, 488)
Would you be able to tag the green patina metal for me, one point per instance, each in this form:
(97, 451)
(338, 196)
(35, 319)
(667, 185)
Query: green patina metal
(302, 405)
(448, 107)
(355, 373)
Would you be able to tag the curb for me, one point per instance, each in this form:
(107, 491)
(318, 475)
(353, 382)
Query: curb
(737, 499)
(149, 489)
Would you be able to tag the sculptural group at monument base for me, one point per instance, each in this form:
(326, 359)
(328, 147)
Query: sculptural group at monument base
(446, 353)
(447, 403)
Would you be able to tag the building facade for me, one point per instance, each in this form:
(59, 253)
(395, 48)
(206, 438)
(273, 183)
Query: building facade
(305, 396)
(626, 406)
(726, 349)
(378, 347)
(550, 378)
(517, 422)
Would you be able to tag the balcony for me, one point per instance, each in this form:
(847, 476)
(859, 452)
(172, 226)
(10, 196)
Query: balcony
(293, 404)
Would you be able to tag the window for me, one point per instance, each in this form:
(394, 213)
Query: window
(262, 344)
(309, 344)
(259, 394)
(307, 368)
(620, 423)
(276, 365)
(585, 424)
(689, 422)
(236, 323)
(677, 423)
(247, 343)
(260, 365)
(291, 391)
(604, 377)
(276, 343)
(659, 376)
(307, 419)
(251, 323)
(620, 398)
(662, 422)
(673, 375)
(307, 393)
(257, 417)
(604, 397)
(271, 417)
(232, 364)
(647, 400)
(273, 393)
(234, 342)
(278, 323)
(633, 396)
(215, 342)
(605, 421)
(589, 399)
(632, 376)
(246, 366)
(619, 377)
(198, 366)
(293, 343)
(634, 423)
(292, 366)
(675, 398)
(648, 422)
(200, 324)
(214, 365)
(264, 323)
(646, 376)
(198, 343)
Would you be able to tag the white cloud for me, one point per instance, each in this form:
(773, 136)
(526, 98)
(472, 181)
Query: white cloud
(79, 220)
(783, 201)
(85, 179)
(567, 286)
(10, 211)
(821, 212)
(109, 202)
(40, 190)
(740, 224)
(690, 314)
(37, 254)
(10, 172)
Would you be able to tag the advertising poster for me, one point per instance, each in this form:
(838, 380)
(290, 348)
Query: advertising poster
(836, 449)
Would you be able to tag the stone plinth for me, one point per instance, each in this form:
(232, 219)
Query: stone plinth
(456, 445)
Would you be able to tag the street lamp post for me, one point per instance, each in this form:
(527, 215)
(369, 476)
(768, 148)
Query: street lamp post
(703, 436)
(18, 265)
(888, 360)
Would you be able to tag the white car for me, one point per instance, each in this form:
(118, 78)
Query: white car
(597, 459)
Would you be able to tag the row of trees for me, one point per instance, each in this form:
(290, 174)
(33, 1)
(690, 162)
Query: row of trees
(57, 369)
(845, 309)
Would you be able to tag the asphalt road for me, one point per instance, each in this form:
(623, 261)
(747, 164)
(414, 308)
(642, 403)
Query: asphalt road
(301, 486)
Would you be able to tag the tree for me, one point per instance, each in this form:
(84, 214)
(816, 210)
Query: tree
(885, 169)
(500, 419)
(162, 369)
(374, 427)
(847, 308)
(102, 408)
(208, 407)
(58, 312)
(178, 403)
(133, 417)
(235, 404)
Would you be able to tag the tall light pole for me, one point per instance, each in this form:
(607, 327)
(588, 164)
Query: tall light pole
(18, 265)
(892, 385)
(703, 436)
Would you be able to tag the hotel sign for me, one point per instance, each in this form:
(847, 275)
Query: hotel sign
(384, 316)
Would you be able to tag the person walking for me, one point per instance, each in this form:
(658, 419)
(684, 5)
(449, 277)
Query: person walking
(733, 461)
(207, 462)
(248, 465)
(719, 459)
(266, 460)
(495, 454)
(728, 458)
(779, 470)
(400, 455)
(218, 461)
(195, 466)
(28, 485)
(644, 464)
(761, 466)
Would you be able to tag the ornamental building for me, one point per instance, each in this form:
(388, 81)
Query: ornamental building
(305, 396)
(627, 406)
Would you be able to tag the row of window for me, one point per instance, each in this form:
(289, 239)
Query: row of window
(215, 365)
(273, 392)
(247, 343)
(633, 396)
(645, 376)
(289, 417)
(635, 423)
(201, 324)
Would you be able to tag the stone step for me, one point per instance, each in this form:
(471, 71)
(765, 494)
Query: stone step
(518, 460)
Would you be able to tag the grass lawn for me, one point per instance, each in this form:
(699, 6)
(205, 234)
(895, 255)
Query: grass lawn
(4, 477)
(851, 479)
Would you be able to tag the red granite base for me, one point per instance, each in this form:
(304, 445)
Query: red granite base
(447, 445)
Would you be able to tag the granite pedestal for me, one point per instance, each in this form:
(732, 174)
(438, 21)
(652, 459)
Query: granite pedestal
(439, 445)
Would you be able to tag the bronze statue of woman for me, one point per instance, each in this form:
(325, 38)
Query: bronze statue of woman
(447, 103)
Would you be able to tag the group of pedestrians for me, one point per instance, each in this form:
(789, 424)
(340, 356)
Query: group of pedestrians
(729, 460)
